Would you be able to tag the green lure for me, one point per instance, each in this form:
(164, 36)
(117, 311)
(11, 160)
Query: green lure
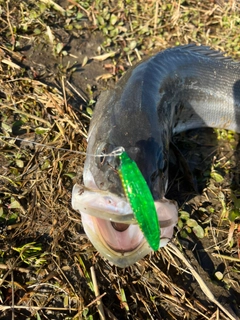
(140, 199)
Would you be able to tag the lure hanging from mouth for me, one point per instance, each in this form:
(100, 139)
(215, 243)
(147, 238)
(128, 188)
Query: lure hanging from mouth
(140, 199)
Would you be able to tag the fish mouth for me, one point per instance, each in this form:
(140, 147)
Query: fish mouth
(117, 247)
(110, 225)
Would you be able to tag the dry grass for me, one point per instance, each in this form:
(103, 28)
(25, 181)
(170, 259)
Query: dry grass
(47, 90)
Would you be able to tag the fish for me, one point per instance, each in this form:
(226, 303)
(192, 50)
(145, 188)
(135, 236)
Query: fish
(178, 89)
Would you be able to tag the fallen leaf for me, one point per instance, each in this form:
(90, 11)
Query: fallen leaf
(104, 56)
(104, 76)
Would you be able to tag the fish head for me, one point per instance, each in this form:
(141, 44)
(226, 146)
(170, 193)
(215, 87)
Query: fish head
(114, 124)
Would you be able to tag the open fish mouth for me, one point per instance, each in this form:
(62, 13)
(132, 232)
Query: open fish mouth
(110, 225)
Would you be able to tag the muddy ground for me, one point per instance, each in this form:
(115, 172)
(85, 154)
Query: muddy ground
(53, 68)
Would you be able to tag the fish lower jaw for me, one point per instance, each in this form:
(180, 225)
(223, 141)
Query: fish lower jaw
(120, 248)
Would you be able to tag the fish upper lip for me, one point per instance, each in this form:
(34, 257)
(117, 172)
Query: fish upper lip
(98, 212)
(105, 207)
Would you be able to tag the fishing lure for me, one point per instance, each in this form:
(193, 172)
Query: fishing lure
(140, 199)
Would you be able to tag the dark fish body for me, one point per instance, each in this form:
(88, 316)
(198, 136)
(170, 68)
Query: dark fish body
(178, 89)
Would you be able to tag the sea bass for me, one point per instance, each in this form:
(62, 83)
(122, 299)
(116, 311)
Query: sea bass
(178, 89)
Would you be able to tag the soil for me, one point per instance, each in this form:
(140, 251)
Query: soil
(159, 286)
